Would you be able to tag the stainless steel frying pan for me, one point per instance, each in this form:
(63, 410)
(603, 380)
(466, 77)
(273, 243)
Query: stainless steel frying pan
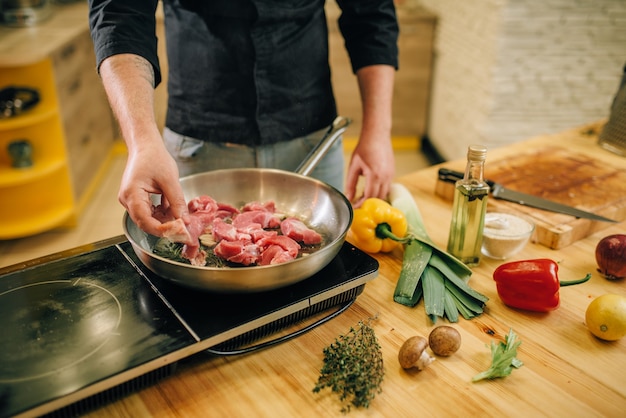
(318, 204)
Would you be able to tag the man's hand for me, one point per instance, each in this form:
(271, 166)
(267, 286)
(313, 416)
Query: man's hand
(150, 171)
(129, 82)
(374, 162)
(373, 157)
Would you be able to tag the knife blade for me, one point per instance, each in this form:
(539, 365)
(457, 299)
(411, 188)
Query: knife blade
(498, 191)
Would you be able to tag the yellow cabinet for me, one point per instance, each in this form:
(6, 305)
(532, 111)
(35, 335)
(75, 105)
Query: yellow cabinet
(71, 130)
(37, 197)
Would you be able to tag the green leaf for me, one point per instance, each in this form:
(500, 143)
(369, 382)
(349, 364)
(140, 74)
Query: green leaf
(456, 280)
(408, 290)
(434, 290)
(503, 358)
(410, 300)
(463, 298)
(457, 265)
(464, 310)
(450, 309)
(449, 269)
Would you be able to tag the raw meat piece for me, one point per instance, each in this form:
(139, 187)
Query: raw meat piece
(202, 203)
(198, 223)
(250, 228)
(260, 234)
(295, 229)
(222, 230)
(225, 211)
(237, 252)
(265, 218)
(203, 209)
(195, 255)
(274, 254)
(277, 249)
(254, 206)
(201, 214)
(176, 231)
(286, 243)
(256, 231)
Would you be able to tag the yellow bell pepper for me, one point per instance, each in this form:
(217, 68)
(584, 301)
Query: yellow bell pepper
(378, 227)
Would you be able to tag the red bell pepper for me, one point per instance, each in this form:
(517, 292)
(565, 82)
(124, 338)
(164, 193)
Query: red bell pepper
(532, 285)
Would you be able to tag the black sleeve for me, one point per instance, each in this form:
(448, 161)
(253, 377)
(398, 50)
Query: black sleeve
(125, 26)
(370, 29)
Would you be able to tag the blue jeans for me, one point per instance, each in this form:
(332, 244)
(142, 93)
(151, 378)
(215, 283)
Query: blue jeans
(195, 156)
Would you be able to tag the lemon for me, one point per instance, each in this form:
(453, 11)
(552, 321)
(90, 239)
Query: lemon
(606, 317)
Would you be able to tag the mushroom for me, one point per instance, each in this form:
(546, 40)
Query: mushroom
(413, 353)
(444, 340)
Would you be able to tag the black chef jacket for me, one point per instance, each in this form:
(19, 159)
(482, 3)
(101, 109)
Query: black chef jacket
(249, 72)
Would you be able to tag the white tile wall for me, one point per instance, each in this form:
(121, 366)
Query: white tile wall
(507, 70)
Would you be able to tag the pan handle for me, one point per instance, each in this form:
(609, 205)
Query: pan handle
(284, 338)
(335, 130)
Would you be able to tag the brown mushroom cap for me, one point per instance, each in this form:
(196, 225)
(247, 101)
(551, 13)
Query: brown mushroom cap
(444, 340)
(411, 351)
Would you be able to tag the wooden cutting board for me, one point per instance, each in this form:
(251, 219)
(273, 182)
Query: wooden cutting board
(559, 174)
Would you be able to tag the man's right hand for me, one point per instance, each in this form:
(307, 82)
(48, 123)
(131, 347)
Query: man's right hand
(129, 82)
(151, 170)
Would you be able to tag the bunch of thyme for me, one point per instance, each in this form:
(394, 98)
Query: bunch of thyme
(353, 367)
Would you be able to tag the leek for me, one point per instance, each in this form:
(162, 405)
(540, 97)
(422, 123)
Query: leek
(431, 273)
(416, 256)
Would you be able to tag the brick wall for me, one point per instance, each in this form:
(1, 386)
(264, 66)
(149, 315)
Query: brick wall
(507, 70)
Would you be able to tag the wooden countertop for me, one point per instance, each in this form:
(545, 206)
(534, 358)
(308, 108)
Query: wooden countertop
(28, 45)
(567, 372)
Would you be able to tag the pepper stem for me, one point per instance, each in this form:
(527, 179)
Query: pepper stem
(383, 231)
(572, 282)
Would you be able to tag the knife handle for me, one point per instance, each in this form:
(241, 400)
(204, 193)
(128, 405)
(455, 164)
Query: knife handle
(451, 176)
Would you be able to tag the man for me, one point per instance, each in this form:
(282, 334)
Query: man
(248, 85)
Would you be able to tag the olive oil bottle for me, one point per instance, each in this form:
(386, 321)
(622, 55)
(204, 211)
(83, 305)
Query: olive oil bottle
(468, 210)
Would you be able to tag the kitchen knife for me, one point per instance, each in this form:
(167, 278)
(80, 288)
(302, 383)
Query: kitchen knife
(500, 192)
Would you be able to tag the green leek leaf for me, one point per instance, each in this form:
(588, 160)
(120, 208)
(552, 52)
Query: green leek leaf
(434, 292)
(415, 260)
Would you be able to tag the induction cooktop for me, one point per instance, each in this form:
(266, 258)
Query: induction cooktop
(93, 319)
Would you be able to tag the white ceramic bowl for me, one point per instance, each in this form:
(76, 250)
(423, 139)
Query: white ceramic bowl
(505, 234)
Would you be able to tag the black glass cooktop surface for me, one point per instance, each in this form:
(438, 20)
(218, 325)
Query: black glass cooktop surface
(75, 321)
(78, 324)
